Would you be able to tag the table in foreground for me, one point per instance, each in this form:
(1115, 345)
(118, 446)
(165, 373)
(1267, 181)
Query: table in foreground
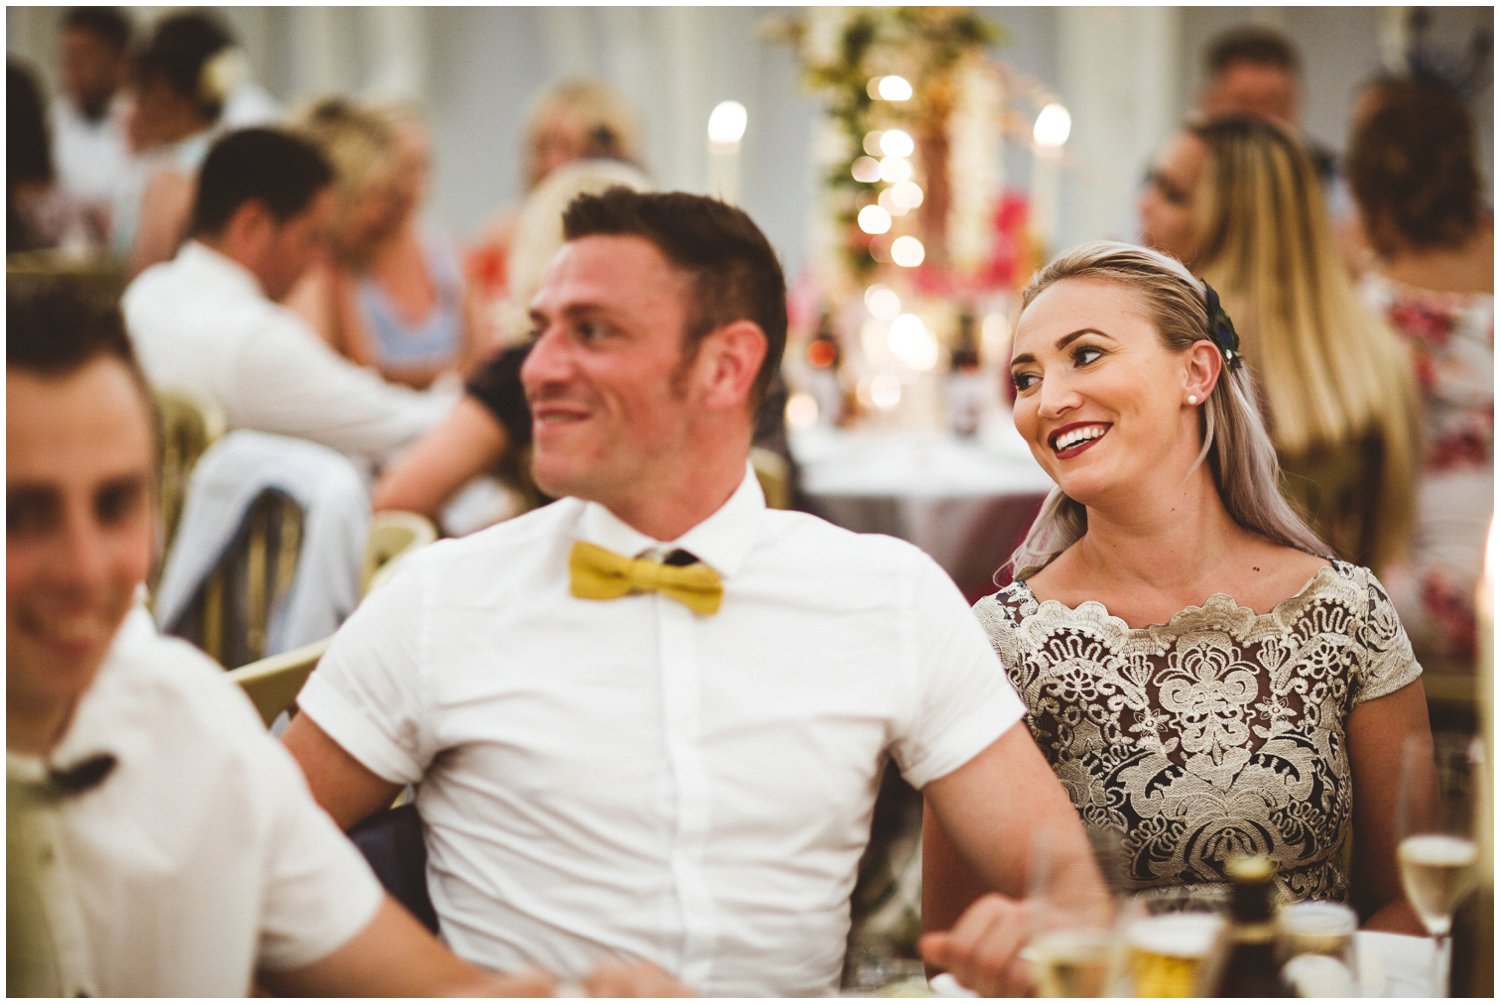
(1390, 965)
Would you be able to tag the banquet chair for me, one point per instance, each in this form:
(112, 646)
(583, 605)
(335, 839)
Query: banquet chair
(250, 581)
(189, 425)
(394, 534)
(272, 683)
(269, 549)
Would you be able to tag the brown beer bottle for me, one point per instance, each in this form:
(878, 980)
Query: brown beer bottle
(1249, 968)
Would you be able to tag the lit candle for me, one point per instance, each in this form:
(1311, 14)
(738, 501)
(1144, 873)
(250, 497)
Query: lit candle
(726, 128)
(1050, 133)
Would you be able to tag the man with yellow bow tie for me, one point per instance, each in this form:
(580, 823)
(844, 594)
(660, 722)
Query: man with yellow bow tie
(649, 720)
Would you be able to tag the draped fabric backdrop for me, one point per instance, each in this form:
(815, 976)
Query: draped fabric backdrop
(1126, 73)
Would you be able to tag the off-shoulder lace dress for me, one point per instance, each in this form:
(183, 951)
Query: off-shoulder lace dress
(1218, 732)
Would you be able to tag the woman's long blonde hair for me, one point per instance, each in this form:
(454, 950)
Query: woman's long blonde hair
(1235, 444)
(1329, 370)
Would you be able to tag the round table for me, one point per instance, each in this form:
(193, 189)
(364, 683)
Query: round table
(967, 502)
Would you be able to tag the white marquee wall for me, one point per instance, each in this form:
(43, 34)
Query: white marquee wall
(1127, 73)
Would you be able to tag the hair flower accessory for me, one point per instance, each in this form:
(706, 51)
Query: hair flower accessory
(1221, 329)
(224, 73)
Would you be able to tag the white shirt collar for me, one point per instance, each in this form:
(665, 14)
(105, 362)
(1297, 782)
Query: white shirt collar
(721, 541)
(196, 254)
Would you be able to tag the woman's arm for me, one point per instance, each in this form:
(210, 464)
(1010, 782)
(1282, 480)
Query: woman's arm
(1377, 731)
(467, 443)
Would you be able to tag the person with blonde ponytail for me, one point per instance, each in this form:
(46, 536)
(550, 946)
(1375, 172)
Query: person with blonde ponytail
(1335, 381)
(1203, 677)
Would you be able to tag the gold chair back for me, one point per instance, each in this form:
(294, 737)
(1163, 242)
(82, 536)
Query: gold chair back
(189, 425)
(274, 682)
(250, 581)
(393, 535)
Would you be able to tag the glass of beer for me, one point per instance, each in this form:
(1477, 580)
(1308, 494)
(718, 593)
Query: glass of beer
(1174, 941)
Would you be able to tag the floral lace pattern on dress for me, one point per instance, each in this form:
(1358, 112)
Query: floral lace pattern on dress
(1219, 732)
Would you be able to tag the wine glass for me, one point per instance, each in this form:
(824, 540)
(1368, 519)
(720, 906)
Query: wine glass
(1074, 947)
(1437, 850)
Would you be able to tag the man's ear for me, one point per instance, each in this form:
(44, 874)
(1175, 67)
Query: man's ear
(251, 226)
(729, 360)
(1202, 371)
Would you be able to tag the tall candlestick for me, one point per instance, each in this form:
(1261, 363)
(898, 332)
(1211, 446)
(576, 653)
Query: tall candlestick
(726, 128)
(1053, 124)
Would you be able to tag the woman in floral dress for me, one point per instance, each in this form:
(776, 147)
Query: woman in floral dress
(1203, 681)
(1413, 169)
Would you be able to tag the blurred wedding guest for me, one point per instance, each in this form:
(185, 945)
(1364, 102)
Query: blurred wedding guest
(88, 117)
(1237, 201)
(489, 430)
(1204, 678)
(650, 719)
(576, 119)
(1255, 70)
(178, 87)
(391, 297)
(159, 842)
(209, 322)
(1413, 168)
(39, 212)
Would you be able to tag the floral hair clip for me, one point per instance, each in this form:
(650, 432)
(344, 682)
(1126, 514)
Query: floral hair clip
(1221, 329)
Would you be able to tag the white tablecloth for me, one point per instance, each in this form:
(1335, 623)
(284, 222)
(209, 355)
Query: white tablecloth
(966, 502)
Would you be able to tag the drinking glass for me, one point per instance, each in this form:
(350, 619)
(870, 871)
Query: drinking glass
(1074, 946)
(1315, 948)
(1437, 850)
(1175, 940)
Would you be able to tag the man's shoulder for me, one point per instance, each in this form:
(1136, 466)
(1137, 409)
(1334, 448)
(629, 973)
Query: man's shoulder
(505, 544)
(171, 676)
(821, 540)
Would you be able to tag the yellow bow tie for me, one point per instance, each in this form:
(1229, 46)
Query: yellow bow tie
(597, 574)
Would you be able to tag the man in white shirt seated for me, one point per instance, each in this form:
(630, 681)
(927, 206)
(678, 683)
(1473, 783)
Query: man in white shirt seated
(650, 719)
(159, 842)
(88, 117)
(208, 320)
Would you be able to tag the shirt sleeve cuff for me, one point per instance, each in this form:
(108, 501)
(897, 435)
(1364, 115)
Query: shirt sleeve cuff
(356, 734)
(966, 739)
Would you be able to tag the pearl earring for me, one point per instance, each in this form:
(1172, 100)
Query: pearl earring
(1192, 399)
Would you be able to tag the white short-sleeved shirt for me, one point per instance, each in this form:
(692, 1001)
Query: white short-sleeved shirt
(201, 323)
(200, 859)
(628, 777)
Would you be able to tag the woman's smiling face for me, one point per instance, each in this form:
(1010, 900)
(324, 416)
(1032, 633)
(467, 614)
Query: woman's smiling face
(1099, 397)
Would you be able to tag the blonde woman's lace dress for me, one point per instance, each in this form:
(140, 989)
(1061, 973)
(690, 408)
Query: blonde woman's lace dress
(1218, 732)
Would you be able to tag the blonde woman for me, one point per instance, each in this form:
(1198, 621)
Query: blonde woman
(1203, 678)
(373, 185)
(577, 119)
(1239, 202)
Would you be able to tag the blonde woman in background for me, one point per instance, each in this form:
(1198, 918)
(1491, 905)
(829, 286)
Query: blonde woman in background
(411, 318)
(1203, 678)
(577, 119)
(1238, 201)
(375, 186)
(1413, 168)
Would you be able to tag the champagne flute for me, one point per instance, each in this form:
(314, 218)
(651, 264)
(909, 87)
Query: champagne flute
(1437, 851)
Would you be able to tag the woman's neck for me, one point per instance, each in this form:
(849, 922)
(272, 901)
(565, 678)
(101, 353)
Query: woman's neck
(1175, 542)
(1467, 268)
